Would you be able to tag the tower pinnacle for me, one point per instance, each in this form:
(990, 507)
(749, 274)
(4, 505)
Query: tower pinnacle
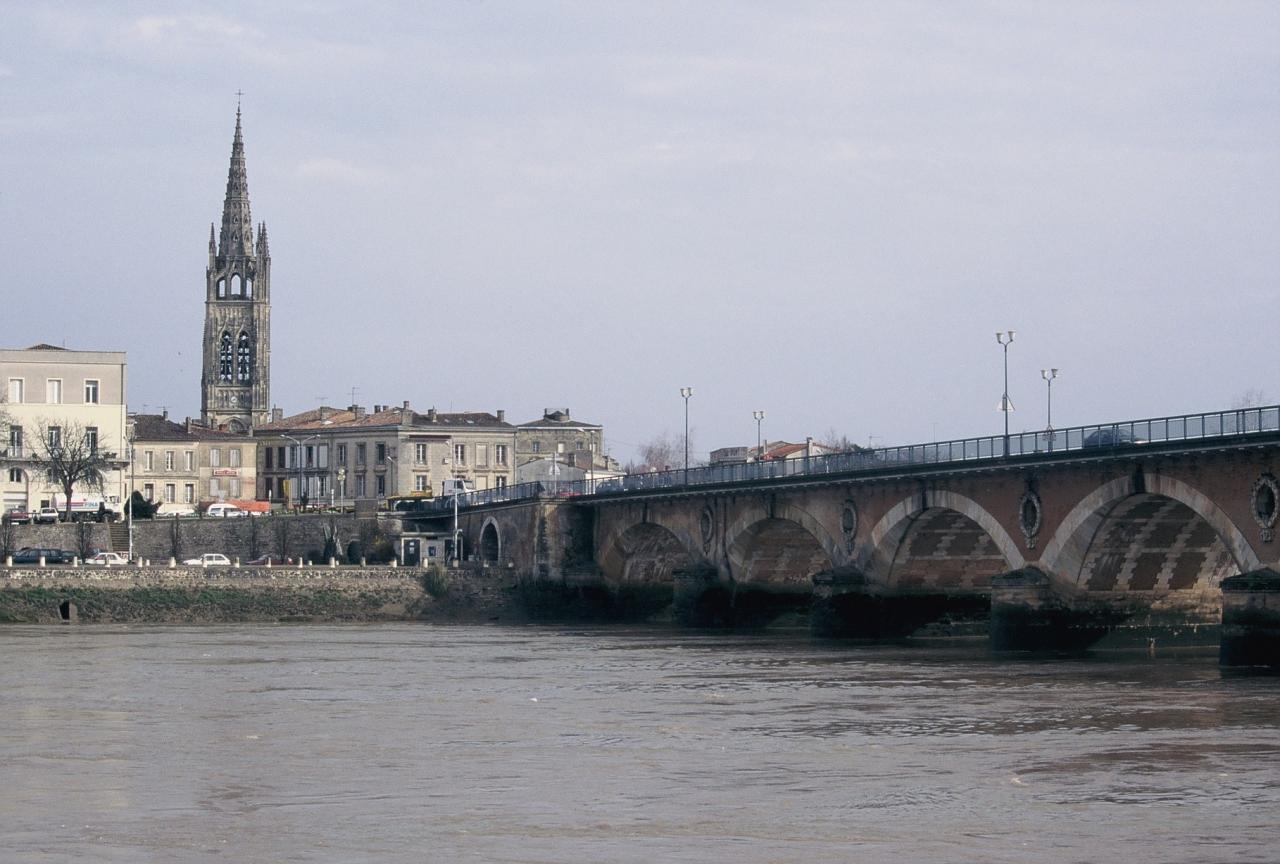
(236, 238)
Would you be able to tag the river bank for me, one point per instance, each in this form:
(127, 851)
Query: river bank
(189, 595)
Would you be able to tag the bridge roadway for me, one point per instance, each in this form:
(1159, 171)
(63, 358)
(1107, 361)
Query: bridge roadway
(1055, 537)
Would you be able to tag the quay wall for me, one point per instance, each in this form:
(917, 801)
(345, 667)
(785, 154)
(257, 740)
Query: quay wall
(195, 595)
(158, 540)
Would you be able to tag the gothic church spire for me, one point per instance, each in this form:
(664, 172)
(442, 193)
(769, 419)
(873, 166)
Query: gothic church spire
(236, 239)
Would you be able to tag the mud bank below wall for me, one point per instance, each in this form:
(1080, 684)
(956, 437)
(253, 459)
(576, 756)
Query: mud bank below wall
(195, 596)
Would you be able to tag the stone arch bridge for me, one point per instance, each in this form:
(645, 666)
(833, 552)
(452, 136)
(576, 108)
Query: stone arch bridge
(1055, 548)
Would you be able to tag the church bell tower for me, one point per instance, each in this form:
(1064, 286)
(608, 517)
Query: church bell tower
(235, 387)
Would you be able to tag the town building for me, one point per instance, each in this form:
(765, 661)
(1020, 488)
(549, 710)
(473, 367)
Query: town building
(340, 455)
(558, 436)
(53, 395)
(185, 466)
(235, 383)
(770, 451)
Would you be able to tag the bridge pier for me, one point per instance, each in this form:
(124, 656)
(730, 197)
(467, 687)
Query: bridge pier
(846, 605)
(1030, 613)
(699, 599)
(1251, 619)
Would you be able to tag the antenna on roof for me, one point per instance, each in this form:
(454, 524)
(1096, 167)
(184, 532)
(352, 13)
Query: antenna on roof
(320, 399)
(353, 394)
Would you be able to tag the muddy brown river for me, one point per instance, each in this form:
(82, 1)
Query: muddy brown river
(412, 743)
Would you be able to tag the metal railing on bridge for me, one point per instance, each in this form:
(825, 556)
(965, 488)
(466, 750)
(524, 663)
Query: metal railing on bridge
(1100, 438)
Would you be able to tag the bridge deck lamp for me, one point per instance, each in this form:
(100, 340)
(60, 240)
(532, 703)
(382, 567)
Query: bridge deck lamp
(759, 415)
(686, 392)
(1048, 375)
(1005, 339)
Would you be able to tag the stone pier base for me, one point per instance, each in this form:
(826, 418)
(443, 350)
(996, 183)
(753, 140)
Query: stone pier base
(1028, 613)
(699, 600)
(1251, 619)
(846, 606)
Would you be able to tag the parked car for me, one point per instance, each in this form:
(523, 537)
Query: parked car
(17, 516)
(30, 555)
(225, 511)
(1111, 436)
(273, 560)
(209, 559)
(45, 516)
(108, 559)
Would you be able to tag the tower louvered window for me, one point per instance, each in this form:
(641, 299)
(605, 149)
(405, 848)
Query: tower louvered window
(244, 359)
(224, 357)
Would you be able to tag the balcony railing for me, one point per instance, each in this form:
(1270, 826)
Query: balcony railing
(1100, 439)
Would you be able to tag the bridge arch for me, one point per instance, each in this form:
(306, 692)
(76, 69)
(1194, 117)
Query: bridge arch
(490, 542)
(772, 561)
(1147, 532)
(782, 511)
(940, 539)
(645, 554)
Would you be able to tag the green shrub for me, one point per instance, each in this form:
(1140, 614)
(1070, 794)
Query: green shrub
(435, 581)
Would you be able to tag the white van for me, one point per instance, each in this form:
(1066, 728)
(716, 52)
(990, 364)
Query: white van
(225, 511)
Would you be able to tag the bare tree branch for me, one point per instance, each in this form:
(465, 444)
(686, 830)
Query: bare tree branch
(72, 454)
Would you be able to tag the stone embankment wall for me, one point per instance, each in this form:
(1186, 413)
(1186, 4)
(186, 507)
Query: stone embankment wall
(185, 595)
(158, 540)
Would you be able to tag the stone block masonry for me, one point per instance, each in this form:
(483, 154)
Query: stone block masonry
(195, 595)
(158, 540)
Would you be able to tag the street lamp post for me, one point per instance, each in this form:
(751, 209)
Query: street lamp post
(1048, 375)
(131, 481)
(297, 496)
(454, 485)
(686, 392)
(759, 415)
(392, 475)
(1005, 340)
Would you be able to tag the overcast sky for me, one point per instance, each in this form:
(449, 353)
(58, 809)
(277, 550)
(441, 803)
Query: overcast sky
(822, 210)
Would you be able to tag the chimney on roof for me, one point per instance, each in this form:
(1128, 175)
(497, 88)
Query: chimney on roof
(565, 411)
(431, 415)
(358, 411)
(277, 414)
(324, 413)
(188, 425)
(406, 405)
(164, 413)
(502, 416)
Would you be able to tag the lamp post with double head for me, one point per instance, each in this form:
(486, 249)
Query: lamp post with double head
(686, 392)
(297, 443)
(1005, 339)
(1048, 375)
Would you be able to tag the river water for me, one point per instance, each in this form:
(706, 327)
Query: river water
(413, 743)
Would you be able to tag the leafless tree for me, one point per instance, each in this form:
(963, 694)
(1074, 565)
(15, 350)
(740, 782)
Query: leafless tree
(840, 442)
(72, 454)
(1251, 398)
(254, 541)
(175, 539)
(663, 452)
(282, 537)
(8, 538)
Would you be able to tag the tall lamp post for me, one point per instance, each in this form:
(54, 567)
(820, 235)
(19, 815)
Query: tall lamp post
(131, 479)
(298, 493)
(1005, 339)
(454, 484)
(686, 392)
(1048, 375)
(759, 415)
